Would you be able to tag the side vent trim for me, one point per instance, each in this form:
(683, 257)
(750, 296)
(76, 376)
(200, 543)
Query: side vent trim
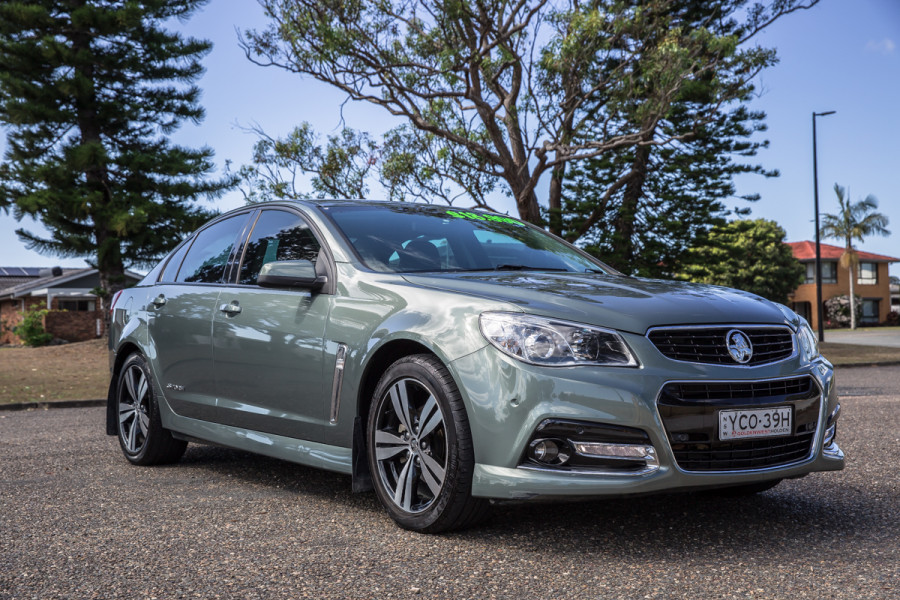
(339, 360)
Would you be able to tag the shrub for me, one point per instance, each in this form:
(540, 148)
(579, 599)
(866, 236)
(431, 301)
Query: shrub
(837, 311)
(893, 318)
(31, 329)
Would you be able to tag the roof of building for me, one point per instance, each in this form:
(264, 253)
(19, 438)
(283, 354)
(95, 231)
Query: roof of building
(40, 283)
(806, 251)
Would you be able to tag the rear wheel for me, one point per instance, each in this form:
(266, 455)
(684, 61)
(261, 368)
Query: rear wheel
(420, 448)
(142, 437)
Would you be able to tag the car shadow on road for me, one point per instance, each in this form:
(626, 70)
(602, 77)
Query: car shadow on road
(794, 516)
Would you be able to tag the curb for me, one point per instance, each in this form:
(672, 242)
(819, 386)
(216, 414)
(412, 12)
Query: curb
(47, 405)
(890, 363)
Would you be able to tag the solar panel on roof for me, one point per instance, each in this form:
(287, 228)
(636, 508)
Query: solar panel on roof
(19, 271)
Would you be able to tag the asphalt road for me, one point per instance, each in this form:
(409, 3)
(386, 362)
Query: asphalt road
(77, 521)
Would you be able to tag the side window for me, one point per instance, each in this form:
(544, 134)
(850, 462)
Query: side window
(205, 261)
(278, 235)
(168, 275)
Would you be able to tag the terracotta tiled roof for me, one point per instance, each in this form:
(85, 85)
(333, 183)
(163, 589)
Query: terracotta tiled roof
(806, 250)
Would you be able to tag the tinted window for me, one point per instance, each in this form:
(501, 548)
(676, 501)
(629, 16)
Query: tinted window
(171, 269)
(410, 239)
(205, 261)
(277, 235)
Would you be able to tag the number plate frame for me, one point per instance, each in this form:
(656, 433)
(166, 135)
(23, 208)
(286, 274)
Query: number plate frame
(755, 423)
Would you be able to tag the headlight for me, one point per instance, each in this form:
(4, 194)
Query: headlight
(808, 342)
(549, 342)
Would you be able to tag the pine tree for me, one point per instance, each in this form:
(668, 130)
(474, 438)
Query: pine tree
(89, 92)
(639, 208)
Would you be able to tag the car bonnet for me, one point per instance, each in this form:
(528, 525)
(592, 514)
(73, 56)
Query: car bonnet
(623, 303)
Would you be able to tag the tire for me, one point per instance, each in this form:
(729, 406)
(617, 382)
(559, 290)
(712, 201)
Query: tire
(748, 489)
(420, 448)
(141, 435)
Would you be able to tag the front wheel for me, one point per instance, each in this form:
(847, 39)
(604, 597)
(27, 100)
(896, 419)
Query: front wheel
(142, 437)
(420, 448)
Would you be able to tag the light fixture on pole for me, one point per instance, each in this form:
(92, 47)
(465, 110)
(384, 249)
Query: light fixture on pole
(819, 306)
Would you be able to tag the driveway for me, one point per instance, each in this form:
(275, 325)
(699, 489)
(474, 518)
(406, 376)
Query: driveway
(875, 336)
(78, 521)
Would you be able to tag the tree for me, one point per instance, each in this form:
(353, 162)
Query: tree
(749, 255)
(853, 221)
(89, 90)
(339, 169)
(673, 191)
(503, 89)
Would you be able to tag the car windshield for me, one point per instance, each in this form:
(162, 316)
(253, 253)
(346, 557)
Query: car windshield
(415, 239)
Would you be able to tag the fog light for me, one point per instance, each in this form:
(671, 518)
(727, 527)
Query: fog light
(548, 452)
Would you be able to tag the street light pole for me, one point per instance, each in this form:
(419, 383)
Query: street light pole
(818, 243)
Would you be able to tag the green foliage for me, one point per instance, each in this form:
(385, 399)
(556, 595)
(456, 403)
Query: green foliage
(339, 169)
(748, 255)
(89, 92)
(639, 208)
(854, 220)
(31, 329)
(500, 95)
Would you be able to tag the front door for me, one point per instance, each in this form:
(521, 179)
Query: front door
(268, 343)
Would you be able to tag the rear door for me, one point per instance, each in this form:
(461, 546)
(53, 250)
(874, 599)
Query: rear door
(268, 343)
(181, 314)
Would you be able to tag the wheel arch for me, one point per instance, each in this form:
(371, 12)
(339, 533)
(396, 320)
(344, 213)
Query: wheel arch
(374, 368)
(122, 354)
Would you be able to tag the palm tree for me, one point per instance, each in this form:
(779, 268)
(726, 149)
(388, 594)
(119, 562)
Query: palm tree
(853, 221)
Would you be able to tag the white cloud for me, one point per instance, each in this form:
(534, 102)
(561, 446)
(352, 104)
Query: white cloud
(885, 46)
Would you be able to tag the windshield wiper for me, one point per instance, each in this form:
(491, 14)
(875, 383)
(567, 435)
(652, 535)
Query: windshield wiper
(510, 267)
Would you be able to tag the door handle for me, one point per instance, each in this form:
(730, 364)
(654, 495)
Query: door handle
(159, 301)
(232, 308)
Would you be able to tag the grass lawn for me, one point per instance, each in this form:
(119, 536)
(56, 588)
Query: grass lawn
(80, 371)
(68, 372)
(855, 354)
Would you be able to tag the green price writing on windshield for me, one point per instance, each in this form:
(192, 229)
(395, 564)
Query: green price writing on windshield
(483, 217)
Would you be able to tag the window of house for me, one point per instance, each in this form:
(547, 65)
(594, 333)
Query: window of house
(870, 310)
(75, 305)
(868, 273)
(829, 272)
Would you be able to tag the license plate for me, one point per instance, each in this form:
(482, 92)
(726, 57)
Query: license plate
(756, 423)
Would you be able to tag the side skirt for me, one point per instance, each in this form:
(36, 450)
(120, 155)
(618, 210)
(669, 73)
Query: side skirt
(313, 454)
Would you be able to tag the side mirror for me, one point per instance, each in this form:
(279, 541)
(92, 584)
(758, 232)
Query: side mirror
(291, 273)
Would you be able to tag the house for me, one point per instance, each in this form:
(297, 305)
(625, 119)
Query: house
(872, 284)
(68, 291)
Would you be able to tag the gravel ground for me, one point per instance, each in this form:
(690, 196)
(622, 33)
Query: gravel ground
(77, 521)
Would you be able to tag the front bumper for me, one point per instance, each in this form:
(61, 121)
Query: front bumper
(507, 400)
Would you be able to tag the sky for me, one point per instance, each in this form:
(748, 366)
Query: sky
(840, 56)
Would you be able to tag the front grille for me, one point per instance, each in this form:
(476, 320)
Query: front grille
(747, 454)
(734, 390)
(689, 411)
(708, 344)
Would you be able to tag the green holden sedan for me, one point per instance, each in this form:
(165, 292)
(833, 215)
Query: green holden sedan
(448, 357)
